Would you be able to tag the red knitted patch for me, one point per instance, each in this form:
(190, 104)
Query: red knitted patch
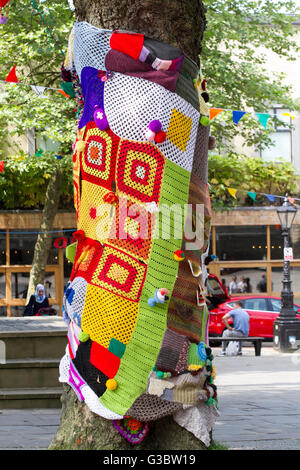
(129, 44)
(104, 360)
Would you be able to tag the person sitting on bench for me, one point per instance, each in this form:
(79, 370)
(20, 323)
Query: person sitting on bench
(240, 326)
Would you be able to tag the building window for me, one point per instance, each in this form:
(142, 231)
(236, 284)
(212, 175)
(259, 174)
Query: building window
(248, 279)
(281, 138)
(22, 248)
(241, 243)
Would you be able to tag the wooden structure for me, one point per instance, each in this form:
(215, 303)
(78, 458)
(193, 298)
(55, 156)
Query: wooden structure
(250, 218)
(20, 222)
(26, 222)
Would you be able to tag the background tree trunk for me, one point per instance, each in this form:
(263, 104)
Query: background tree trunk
(180, 23)
(44, 239)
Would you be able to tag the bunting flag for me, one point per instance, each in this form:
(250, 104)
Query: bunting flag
(232, 192)
(252, 195)
(12, 76)
(1, 167)
(39, 90)
(67, 87)
(289, 114)
(237, 116)
(263, 119)
(39, 153)
(64, 93)
(270, 197)
(213, 112)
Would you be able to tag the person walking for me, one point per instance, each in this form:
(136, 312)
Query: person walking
(36, 302)
(240, 326)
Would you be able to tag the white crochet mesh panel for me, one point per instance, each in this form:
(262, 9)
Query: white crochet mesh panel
(90, 397)
(131, 103)
(96, 406)
(91, 45)
(74, 299)
(64, 366)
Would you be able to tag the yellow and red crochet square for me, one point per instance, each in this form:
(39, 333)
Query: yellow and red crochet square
(132, 229)
(98, 162)
(119, 273)
(137, 337)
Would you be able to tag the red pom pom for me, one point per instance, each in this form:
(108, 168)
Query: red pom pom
(160, 137)
(110, 198)
(79, 235)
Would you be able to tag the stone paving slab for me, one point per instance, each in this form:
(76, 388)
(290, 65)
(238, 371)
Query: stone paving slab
(258, 401)
(25, 324)
(28, 429)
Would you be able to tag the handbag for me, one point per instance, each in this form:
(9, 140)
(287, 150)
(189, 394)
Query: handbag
(232, 348)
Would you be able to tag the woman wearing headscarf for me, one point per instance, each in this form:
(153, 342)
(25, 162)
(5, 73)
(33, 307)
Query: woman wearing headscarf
(36, 301)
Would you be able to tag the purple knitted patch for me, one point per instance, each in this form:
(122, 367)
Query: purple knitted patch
(118, 62)
(76, 382)
(93, 93)
(134, 438)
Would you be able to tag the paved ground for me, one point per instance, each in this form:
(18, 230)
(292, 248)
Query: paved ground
(27, 429)
(258, 402)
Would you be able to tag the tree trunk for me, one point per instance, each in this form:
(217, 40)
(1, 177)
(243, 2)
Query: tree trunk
(44, 239)
(180, 23)
(80, 429)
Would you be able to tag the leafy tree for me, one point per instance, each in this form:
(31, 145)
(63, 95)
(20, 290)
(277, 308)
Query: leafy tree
(24, 181)
(238, 35)
(34, 40)
(247, 174)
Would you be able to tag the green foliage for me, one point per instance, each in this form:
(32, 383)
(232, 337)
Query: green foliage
(23, 183)
(34, 40)
(239, 34)
(247, 174)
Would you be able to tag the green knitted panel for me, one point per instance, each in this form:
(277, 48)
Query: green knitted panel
(193, 356)
(141, 352)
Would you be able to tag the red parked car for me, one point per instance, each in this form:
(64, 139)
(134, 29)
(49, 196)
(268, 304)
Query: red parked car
(262, 309)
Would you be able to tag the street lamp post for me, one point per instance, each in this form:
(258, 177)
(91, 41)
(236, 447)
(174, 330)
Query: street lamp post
(286, 329)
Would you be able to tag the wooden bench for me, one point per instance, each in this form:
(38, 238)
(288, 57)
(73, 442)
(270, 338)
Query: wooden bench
(253, 339)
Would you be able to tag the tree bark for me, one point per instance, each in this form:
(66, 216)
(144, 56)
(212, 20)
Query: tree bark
(80, 429)
(44, 239)
(180, 23)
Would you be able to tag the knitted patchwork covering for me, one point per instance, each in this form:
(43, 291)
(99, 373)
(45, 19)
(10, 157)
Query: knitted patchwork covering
(135, 304)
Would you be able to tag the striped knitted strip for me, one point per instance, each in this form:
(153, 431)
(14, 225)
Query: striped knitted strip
(143, 348)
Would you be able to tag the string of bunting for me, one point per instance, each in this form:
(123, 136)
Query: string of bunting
(66, 89)
(237, 115)
(252, 195)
